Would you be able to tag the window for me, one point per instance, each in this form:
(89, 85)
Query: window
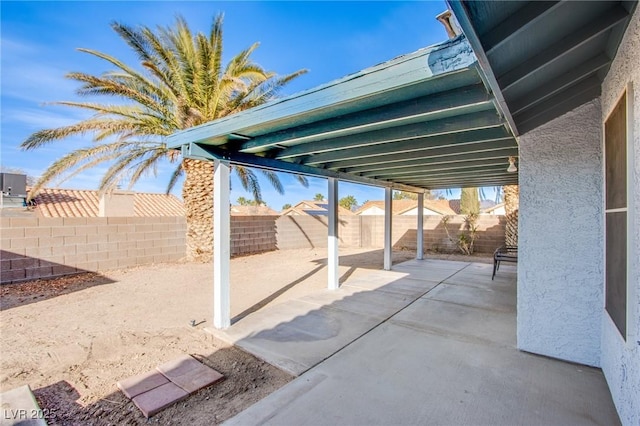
(616, 209)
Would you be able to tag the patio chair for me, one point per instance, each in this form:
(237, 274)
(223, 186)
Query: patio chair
(504, 254)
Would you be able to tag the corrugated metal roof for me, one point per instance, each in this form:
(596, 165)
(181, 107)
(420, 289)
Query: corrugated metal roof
(421, 121)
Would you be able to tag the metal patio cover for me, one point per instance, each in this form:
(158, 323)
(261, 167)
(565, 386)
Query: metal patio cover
(420, 121)
(543, 58)
(442, 117)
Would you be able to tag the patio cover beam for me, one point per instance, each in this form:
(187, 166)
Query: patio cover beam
(461, 167)
(558, 50)
(464, 183)
(366, 142)
(208, 152)
(363, 149)
(453, 102)
(449, 155)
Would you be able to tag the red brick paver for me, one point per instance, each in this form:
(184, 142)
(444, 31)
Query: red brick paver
(173, 381)
(189, 374)
(134, 386)
(155, 400)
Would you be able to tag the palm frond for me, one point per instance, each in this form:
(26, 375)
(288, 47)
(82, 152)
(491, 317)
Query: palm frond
(249, 181)
(179, 81)
(274, 180)
(177, 174)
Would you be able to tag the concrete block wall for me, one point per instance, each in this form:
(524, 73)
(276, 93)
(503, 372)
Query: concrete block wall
(48, 247)
(490, 232)
(294, 232)
(253, 234)
(368, 231)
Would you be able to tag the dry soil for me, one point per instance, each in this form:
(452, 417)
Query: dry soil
(71, 339)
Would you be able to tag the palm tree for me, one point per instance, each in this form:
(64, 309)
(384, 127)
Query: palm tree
(182, 83)
(511, 207)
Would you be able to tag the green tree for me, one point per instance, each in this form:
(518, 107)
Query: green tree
(181, 82)
(318, 197)
(402, 195)
(469, 201)
(242, 201)
(349, 202)
(286, 206)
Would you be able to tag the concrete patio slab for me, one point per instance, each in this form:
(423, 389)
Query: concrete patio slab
(305, 340)
(377, 304)
(402, 376)
(419, 272)
(298, 334)
(459, 322)
(20, 408)
(449, 357)
(475, 297)
(483, 280)
(404, 286)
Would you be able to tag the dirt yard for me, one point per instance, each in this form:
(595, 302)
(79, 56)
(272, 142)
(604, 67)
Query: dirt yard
(72, 339)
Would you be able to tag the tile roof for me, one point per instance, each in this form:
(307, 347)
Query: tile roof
(454, 205)
(313, 208)
(401, 206)
(54, 202)
(253, 211)
(492, 208)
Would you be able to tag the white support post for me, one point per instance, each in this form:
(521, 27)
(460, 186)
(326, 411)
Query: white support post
(332, 250)
(221, 245)
(420, 228)
(388, 212)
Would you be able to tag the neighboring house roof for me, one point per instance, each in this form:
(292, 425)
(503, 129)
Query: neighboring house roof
(493, 208)
(253, 211)
(313, 208)
(402, 206)
(454, 205)
(54, 202)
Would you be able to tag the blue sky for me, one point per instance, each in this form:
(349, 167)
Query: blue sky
(331, 39)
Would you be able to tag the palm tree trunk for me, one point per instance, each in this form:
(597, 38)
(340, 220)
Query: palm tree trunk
(511, 207)
(197, 193)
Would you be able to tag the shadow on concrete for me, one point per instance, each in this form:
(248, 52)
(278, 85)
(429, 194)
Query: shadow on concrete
(275, 295)
(354, 262)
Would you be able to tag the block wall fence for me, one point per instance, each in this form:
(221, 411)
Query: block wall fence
(368, 231)
(33, 248)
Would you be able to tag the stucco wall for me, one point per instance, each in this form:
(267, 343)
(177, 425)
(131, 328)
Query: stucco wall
(620, 359)
(560, 265)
